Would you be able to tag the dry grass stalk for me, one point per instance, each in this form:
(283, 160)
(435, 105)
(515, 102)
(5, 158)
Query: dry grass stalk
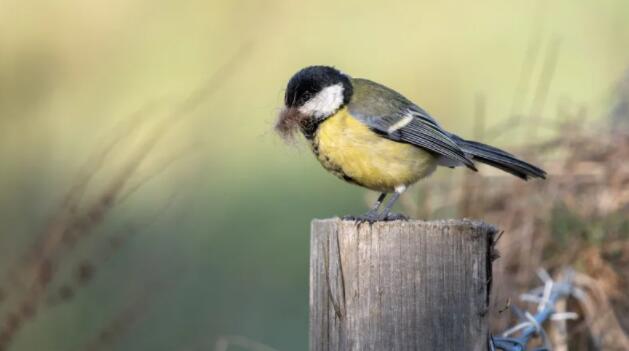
(603, 325)
(29, 281)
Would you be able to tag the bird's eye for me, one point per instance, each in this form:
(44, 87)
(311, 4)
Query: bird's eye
(307, 96)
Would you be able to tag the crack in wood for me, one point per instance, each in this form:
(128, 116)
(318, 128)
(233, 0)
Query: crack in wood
(326, 263)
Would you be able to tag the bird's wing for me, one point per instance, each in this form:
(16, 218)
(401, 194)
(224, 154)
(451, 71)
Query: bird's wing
(396, 118)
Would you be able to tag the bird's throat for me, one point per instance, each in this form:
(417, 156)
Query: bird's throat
(309, 126)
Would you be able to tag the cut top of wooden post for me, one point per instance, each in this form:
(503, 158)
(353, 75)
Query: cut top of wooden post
(403, 285)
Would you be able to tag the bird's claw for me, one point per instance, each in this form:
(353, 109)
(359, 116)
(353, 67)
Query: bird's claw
(395, 217)
(372, 217)
(369, 217)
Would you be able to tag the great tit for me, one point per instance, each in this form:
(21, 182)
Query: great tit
(372, 136)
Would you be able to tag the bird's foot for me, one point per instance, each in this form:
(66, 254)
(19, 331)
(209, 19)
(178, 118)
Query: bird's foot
(395, 217)
(369, 217)
(372, 217)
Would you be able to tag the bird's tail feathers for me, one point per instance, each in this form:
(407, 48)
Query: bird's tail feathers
(500, 159)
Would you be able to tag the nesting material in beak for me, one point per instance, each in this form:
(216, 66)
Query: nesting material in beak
(289, 122)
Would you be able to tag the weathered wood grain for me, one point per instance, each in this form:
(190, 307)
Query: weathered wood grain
(399, 285)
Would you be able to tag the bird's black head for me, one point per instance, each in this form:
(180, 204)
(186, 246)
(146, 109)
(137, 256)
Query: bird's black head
(318, 91)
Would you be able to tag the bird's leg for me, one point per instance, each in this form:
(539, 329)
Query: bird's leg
(376, 205)
(386, 214)
(371, 215)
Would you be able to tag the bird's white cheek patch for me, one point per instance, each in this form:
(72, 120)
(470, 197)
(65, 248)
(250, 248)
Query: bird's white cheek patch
(325, 103)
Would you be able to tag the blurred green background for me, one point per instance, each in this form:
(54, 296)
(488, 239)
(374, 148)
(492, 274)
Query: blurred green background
(220, 207)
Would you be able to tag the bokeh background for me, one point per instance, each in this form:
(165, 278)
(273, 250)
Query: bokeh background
(145, 202)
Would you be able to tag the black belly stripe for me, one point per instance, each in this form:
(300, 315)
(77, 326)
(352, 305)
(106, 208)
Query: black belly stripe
(349, 179)
(315, 148)
(330, 166)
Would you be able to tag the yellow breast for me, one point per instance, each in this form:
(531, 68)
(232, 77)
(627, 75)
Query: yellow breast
(350, 150)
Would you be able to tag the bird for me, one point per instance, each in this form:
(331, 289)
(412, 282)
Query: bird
(370, 135)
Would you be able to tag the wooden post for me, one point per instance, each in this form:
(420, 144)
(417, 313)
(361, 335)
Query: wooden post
(400, 285)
